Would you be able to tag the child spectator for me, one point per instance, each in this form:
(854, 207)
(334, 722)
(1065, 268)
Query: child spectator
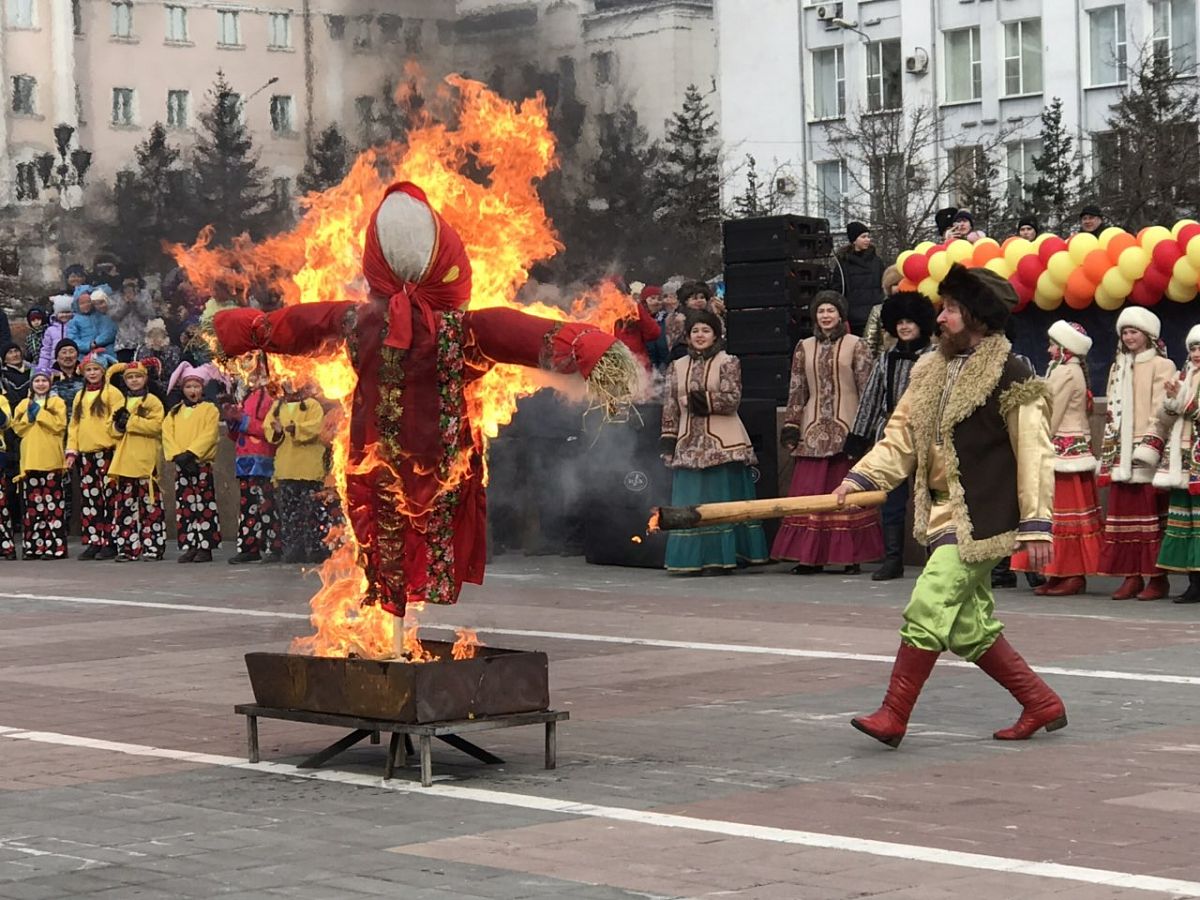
(254, 464)
(40, 420)
(37, 320)
(190, 433)
(294, 427)
(55, 331)
(91, 442)
(14, 386)
(91, 328)
(156, 344)
(131, 310)
(138, 531)
(8, 548)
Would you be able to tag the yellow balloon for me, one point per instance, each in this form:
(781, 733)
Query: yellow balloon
(900, 260)
(1017, 249)
(1105, 300)
(923, 247)
(1080, 245)
(1185, 272)
(1107, 235)
(1047, 295)
(939, 265)
(1115, 284)
(1193, 252)
(1134, 261)
(1180, 292)
(1000, 266)
(929, 286)
(1060, 267)
(1179, 226)
(1152, 235)
(959, 250)
(1041, 238)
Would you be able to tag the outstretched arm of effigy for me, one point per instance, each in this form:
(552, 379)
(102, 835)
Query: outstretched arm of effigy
(294, 330)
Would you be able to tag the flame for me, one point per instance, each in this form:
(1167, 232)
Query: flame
(479, 160)
(655, 521)
(466, 645)
(635, 539)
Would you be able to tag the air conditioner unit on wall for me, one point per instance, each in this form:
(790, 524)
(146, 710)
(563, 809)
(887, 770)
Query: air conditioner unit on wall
(917, 63)
(828, 12)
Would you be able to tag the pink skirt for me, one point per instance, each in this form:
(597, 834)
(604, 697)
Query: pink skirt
(824, 539)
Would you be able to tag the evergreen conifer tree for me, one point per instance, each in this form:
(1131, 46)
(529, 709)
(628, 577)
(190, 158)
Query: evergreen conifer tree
(689, 186)
(328, 162)
(147, 202)
(1054, 195)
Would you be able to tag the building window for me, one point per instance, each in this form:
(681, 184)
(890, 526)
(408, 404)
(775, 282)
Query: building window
(122, 19)
(389, 28)
(177, 30)
(27, 181)
(1108, 46)
(413, 37)
(79, 116)
(178, 103)
(965, 165)
(964, 66)
(279, 31)
(24, 95)
(281, 115)
(230, 104)
(281, 188)
(829, 83)
(602, 64)
(77, 16)
(336, 26)
(1021, 173)
(887, 181)
(1023, 57)
(832, 187)
(229, 28)
(362, 33)
(122, 106)
(883, 75)
(1174, 32)
(20, 14)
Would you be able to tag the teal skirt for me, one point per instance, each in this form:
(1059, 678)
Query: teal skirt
(715, 546)
(1181, 541)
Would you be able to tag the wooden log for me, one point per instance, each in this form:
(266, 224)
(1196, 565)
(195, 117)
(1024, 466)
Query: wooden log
(671, 518)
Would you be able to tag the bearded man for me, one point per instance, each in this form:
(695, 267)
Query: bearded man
(974, 429)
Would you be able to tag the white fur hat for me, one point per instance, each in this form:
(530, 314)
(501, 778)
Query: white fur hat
(1070, 337)
(1140, 318)
(100, 292)
(1193, 336)
(62, 303)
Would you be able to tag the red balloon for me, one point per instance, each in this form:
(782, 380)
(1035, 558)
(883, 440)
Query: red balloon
(1022, 302)
(916, 268)
(1029, 268)
(1024, 291)
(1165, 255)
(1157, 280)
(1050, 246)
(1141, 295)
(1186, 233)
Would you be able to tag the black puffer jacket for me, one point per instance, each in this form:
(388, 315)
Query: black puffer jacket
(859, 278)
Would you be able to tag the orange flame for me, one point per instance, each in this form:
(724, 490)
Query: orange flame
(466, 645)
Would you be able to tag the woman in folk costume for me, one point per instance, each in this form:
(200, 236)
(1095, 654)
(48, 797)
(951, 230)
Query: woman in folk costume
(254, 466)
(1134, 523)
(417, 505)
(40, 421)
(138, 528)
(1078, 523)
(190, 434)
(829, 371)
(91, 442)
(8, 547)
(1176, 450)
(293, 426)
(908, 318)
(705, 443)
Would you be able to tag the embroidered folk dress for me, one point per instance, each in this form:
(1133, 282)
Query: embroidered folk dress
(1179, 470)
(711, 458)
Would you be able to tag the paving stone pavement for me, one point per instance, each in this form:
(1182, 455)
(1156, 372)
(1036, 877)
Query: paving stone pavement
(708, 754)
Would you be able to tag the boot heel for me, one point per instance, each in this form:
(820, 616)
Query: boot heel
(1060, 722)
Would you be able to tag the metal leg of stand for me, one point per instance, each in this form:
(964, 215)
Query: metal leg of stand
(395, 746)
(471, 749)
(426, 760)
(551, 745)
(334, 749)
(374, 737)
(252, 738)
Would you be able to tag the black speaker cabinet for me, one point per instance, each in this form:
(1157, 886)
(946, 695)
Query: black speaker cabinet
(759, 418)
(776, 237)
(779, 283)
(772, 330)
(766, 376)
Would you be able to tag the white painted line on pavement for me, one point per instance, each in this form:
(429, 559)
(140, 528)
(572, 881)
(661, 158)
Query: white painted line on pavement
(793, 652)
(848, 843)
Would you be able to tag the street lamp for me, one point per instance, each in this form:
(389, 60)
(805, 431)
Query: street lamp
(255, 93)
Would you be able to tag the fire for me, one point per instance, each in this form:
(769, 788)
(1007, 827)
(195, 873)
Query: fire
(654, 522)
(466, 645)
(636, 539)
(508, 147)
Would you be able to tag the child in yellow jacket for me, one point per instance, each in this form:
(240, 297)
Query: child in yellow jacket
(294, 426)
(8, 547)
(40, 421)
(190, 434)
(90, 442)
(138, 530)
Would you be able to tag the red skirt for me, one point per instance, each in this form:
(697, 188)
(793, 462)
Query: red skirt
(819, 539)
(1078, 528)
(1133, 530)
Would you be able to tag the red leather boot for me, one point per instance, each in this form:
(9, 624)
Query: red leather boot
(889, 723)
(1064, 587)
(1041, 707)
(1130, 588)
(1156, 588)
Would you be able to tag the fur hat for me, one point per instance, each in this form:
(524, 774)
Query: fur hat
(711, 319)
(855, 230)
(62, 303)
(651, 290)
(892, 276)
(1193, 337)
(1140, 318)
(636, 288)
(833, 298)
(943, 217)
(156, 325)
(100, 293)
(908, 305)
(1070, 336)
(988, 297)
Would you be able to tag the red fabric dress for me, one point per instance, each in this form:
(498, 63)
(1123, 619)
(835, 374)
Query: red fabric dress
(415, 486)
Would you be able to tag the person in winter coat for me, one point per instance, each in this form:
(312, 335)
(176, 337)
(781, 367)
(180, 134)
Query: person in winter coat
(1078, 524)
(190, 434)
(132, 309)
(37, 319)
(705, 444)
(254, 465)
(829, 372)
(55, 331)
(67, 379)
(73, 276)
(963, 226)
(294, 427)
(858, 276)
(138, 531)
(8, 547)
(638, 331)
(157, 346)
(15, 373)
(90, 442)
(875, 336)
(91, 328)
(40, 420)
(1136, 390)
(909, 319)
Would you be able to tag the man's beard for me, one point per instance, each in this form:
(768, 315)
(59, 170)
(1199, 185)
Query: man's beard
(952, 345)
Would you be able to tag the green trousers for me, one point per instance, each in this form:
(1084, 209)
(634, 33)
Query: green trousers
(951, 607)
